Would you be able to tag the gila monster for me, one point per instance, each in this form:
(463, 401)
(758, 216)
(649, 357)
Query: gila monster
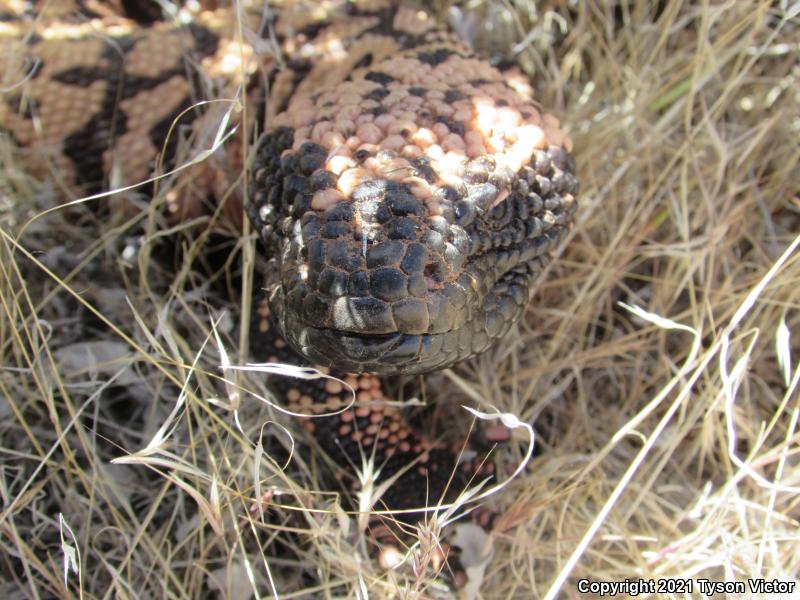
(407, 193)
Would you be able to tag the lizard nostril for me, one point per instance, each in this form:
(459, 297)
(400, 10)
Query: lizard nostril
(433, 275)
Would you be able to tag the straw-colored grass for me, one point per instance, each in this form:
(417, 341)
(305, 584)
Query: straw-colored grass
(657, 364)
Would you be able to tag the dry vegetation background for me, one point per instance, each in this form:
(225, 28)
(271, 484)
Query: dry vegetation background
(667, 435)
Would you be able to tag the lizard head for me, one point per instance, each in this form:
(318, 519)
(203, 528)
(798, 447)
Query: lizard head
(406, 219)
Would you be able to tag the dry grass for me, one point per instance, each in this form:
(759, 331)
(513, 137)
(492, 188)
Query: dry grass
(667, 435)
